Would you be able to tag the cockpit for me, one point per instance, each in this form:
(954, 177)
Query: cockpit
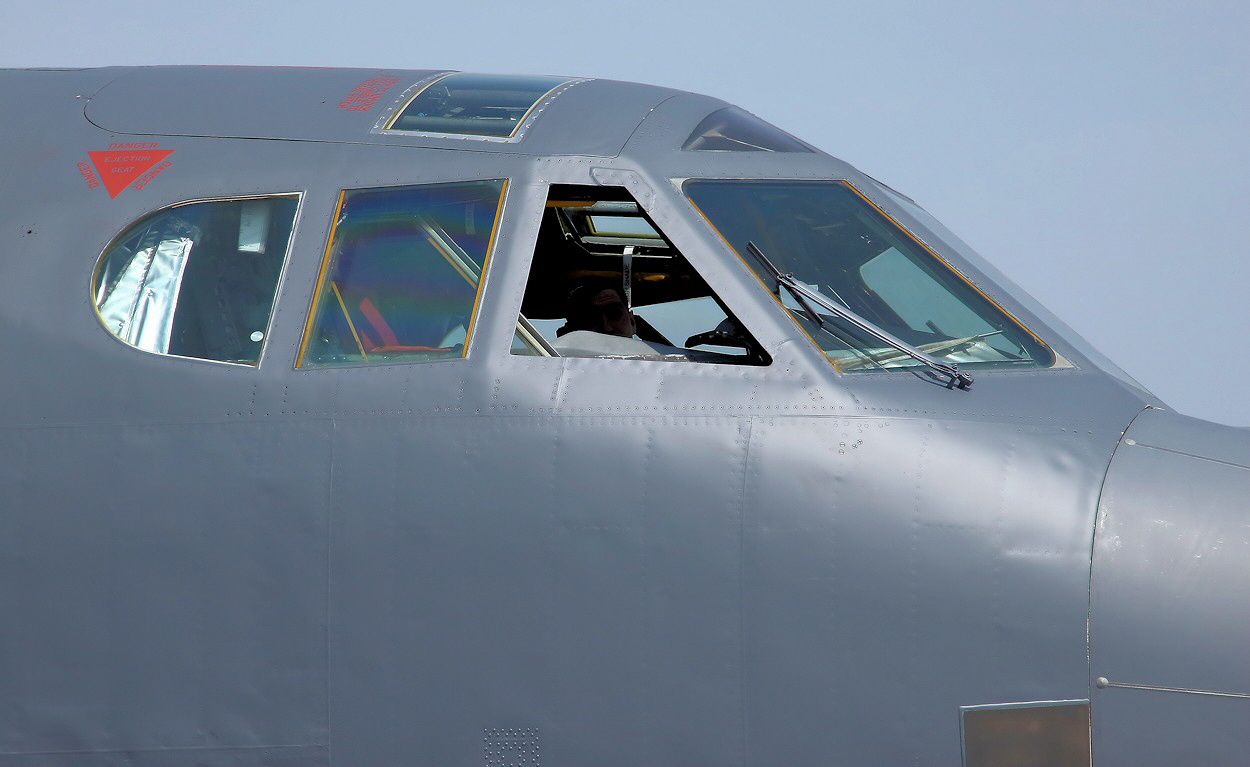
(870, 295)
(403, 277)
(403, 273)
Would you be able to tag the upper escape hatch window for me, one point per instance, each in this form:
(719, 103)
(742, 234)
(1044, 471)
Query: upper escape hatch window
(839, 245)
(197, 279)
(736, 130)
(605, 282)
(484, 106)
(402, 274)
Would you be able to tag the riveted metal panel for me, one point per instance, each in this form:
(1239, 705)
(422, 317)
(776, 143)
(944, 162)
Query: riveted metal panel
(345, 105)
(164, 592)
(1169, 623)
(274, 102)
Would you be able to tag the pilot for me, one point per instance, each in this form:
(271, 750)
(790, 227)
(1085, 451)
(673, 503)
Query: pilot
(599, 305)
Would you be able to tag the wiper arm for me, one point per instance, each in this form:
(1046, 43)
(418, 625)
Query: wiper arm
(802, 294)
(788, 281)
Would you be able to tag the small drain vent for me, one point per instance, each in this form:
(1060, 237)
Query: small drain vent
(511, 747)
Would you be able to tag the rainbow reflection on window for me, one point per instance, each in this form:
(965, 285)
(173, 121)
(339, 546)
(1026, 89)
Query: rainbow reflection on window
(403, 274)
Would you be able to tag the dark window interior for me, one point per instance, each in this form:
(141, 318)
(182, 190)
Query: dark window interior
(596, 236)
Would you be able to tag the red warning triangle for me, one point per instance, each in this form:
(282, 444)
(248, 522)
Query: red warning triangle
(119, 167)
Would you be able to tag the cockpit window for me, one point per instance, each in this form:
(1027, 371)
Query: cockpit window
(198, 279)
(402, 274)
(605, 282)
(843, 249)
(735, 130)
(464, 104)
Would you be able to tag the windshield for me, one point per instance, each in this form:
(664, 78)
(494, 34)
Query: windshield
(836, 243)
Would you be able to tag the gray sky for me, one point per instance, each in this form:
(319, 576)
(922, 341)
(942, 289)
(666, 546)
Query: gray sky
(1097, 151)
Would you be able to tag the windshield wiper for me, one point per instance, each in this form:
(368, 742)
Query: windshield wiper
(945, 345)
(803, 294)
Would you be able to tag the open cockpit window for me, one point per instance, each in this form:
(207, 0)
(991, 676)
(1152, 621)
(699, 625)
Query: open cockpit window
(198, 279)
(605, 282)
(836, 248)
(402, 274)
(483, 106)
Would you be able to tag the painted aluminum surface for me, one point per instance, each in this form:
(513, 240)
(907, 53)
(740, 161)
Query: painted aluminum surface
(612, 562)
(1170, 624)
(325, 105)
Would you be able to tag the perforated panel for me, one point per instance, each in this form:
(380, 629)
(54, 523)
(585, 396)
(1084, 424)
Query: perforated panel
(511, 747)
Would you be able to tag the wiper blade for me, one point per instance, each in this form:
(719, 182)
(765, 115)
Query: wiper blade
(945, 346)
(803, 294)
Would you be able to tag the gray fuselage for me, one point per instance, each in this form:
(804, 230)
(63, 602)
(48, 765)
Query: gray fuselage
(460, 554)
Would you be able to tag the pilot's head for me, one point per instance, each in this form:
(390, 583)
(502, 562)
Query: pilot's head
(598, 305)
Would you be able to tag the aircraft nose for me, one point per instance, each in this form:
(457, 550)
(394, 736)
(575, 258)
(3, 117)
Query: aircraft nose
(1169, 612)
